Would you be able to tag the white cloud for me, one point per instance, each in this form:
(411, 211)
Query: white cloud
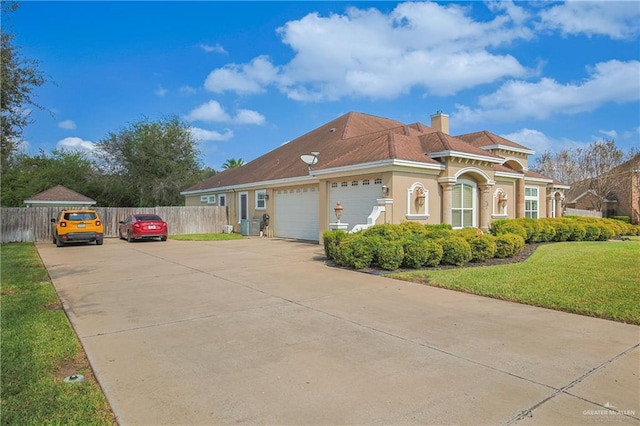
(633, 133)
(247, 116)
(67, 124)
(160, 91)
(213, 49)
(212, 111)
(439, 49)
(540, 142)
(75, 144)
(188, 90)
(615, 19)
(210, 135)
(248, 78)
(611, 134)
(532, 139)
(612, 81)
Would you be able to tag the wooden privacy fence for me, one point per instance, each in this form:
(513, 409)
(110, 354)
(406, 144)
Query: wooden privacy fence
(22, 224)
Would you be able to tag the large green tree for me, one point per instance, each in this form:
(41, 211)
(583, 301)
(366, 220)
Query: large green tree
(148, 163)
(19, 77)
(26, 175)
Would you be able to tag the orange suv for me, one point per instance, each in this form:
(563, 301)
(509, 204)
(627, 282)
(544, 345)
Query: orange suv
(77, 225)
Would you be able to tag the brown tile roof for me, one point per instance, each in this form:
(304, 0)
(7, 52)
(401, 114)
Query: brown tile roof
(484, 138)
(439, 142)
(351, 139)
(62, 194)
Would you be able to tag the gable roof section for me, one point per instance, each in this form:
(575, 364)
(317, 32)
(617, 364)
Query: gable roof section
(60, 194)
(487, 140)
(353, 139)
(438, 144)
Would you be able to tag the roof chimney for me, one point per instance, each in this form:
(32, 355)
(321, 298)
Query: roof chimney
(440, 122)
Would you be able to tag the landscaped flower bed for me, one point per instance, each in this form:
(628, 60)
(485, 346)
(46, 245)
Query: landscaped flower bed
(411, 245)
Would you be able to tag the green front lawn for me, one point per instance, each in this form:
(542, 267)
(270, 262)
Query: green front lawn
(206, 237)
(599, 279)
(40, 349)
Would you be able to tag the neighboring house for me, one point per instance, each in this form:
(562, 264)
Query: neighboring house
(59, 196)
(382, 171)
(622, 186)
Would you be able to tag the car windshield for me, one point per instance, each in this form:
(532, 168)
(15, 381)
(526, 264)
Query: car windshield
(79, 216)
(148, 217)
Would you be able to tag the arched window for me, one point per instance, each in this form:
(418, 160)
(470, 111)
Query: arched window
(463, 204)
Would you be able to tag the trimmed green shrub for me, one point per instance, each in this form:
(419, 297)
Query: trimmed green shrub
(414, 254)
(547, 230)
(413, 228)
(468, 233)
(421, 252)
(387, 231)
(357, 251)
(578, 231)
(532, 227)
(331, 241)
(482, 248)
(390, 255)
(625, 219)
(563, 230)
(434, 252)
(435, 232)
(455, 251)
(591, 232)
(606, 232)
(508, 227)
(509, 245)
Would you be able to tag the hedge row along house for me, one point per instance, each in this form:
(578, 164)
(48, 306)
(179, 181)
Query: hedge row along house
(381, 171)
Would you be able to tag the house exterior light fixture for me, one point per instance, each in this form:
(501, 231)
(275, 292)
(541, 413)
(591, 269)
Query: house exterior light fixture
(338, 210)
(385, 191)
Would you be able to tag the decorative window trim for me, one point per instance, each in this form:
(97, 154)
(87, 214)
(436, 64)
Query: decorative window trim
(242, 194)
(535, 214)
(261, 199)
(209, 199)
(222, 200)
(474, 204)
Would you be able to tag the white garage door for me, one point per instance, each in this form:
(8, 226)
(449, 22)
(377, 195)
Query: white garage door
(296, 213)
(357, 197)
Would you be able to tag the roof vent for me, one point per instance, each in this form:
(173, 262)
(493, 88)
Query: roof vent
(333, 129)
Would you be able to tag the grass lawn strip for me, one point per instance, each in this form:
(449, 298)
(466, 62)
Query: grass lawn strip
(599, 279)
(206, 237)
(40, 349)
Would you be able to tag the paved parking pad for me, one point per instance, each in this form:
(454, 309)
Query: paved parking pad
(261, 331)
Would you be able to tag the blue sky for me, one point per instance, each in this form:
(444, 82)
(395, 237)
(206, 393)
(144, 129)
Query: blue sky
(250, 76)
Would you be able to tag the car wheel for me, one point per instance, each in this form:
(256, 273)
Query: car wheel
(129, 237)
(59, 242)
(99, 242)
(163, 238)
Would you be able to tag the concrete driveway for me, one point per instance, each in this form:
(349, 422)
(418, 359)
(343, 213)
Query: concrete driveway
(261, 331)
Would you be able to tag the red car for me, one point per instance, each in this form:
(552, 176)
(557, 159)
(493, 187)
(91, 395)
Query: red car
(143, 226)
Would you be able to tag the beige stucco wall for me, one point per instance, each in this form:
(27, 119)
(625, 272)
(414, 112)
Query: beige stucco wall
(403, 192)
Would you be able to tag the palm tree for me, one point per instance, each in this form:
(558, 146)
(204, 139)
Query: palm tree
(232, 163)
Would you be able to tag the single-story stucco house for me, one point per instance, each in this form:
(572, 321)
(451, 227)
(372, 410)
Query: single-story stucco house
(382, 171)
(59, 196)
